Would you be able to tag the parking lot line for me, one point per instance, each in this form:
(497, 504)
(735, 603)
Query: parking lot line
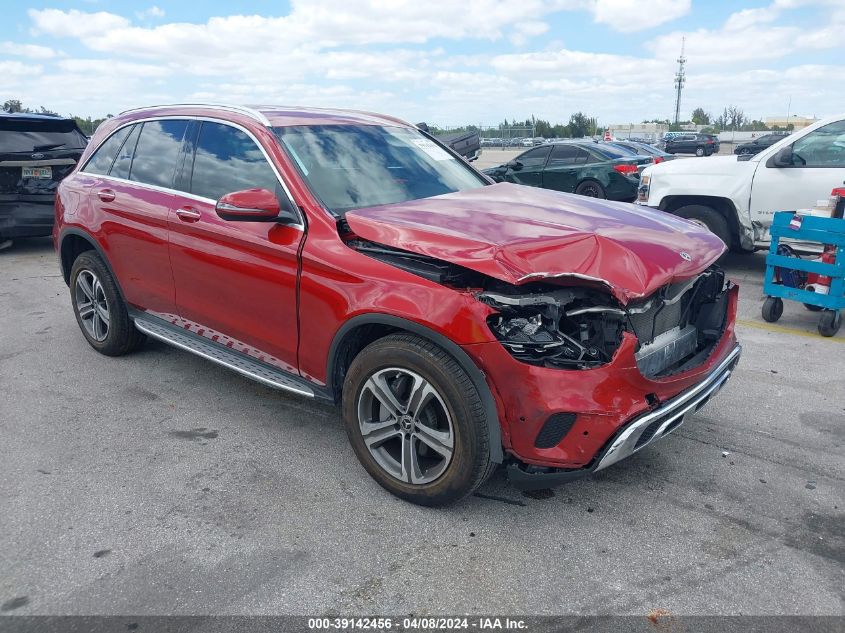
(788, 330)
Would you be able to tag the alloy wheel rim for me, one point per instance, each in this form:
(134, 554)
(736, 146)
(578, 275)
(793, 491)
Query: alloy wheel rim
(92, 305)
(406, 426)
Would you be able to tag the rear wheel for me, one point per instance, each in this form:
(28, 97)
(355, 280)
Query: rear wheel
(100, 311)
(699, 151)
(829, 322)
(415, 421)
(707, 217)
(591, 189)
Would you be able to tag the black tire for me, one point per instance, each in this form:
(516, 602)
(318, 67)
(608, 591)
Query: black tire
(772, 309)
(591, 189)
(829, 322)
(715, 222)
(744, 151)
(700, 151)
(121, 336)
(470, 464)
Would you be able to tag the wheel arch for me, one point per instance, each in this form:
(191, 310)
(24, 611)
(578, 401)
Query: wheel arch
(359, 331)
(75, 241)
(723, 206)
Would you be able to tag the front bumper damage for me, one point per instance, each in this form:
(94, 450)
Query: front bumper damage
(639, 433)
(603, 413)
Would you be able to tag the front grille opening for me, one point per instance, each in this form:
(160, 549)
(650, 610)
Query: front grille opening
(678, 326)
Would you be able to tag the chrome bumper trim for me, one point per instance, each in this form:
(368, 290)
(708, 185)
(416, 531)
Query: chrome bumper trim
(670, 415)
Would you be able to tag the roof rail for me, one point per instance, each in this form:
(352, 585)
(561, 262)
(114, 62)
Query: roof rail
(250, 112)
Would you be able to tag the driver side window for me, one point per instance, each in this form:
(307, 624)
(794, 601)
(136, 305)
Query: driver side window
(535, 157)
(824, 147)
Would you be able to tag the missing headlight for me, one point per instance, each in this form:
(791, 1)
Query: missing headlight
(574, 329)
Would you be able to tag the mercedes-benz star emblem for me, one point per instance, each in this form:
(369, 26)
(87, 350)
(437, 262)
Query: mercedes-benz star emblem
(686, 256)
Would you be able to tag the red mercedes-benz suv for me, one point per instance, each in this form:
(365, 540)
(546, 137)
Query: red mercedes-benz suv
(350, 257)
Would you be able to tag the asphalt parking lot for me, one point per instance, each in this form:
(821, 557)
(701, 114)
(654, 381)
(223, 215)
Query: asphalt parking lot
(159, 483)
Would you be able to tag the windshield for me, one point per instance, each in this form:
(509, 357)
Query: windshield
(31, 135)
(351, 166)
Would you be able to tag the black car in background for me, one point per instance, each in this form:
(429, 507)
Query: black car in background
(586, 168)
(36, 152)
(692, 143)
(757, 144)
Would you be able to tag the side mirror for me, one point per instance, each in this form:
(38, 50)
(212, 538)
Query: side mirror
(514, 164)
(782, 158)
(254, 205)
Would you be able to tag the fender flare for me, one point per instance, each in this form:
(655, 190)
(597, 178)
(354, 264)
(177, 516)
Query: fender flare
(463, 359)
(72, 230)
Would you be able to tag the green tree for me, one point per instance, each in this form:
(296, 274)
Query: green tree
(700, 117)
(13, 105)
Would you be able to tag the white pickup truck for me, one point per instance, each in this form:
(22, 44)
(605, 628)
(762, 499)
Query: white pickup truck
(735, 196)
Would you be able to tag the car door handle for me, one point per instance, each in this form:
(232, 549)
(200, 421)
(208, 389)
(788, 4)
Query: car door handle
(188, 214)
(106, 195)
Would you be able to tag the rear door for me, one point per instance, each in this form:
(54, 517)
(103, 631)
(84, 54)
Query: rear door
(235, 280)
(36, 153)
(818, 166)
(131, 202)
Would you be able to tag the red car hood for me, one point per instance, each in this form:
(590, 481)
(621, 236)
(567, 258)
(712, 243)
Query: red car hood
(520, 234)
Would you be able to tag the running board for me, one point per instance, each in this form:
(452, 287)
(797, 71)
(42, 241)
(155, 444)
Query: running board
(244, 365)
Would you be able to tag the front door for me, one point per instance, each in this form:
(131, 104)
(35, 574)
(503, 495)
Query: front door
(818, 165)
(235, 280)
(531, 164)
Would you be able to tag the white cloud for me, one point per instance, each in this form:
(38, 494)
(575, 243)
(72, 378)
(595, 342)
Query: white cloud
(32, 51)
(74, 23)
(152, 12)
(635, 15)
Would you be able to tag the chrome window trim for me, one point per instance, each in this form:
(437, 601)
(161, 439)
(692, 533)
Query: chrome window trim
(188, 194)
(228, 107)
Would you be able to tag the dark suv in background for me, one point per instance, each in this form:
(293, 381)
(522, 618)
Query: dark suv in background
(758, 144)
(692, 143)
(36, 152)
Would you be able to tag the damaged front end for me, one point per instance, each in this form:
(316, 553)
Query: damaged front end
(576, 323)
(581, 328)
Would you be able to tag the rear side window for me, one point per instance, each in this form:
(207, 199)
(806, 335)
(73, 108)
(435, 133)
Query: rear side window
(123, 161)
(37, 135)
(157, 152)
(228, 160)
(102, 159)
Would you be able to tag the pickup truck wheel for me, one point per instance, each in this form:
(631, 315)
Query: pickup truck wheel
(99, 308)
(707, 217)
(699, 151)
(415, 421)
(591, 189)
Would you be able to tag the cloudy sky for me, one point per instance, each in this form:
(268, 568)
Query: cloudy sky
(443, 61)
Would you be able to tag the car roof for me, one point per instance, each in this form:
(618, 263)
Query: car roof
(270, 115)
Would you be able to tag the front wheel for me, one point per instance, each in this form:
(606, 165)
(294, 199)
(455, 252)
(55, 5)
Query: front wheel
(772, 309)
(591, 189)
(708, 218)
(100, 311)
(415, 421)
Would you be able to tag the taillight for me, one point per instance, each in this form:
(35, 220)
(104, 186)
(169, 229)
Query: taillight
(658, 159)
(626, 170)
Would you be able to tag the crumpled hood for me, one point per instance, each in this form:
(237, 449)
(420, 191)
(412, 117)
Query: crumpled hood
(520, 234)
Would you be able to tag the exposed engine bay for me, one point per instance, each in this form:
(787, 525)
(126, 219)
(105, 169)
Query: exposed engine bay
(569, 326)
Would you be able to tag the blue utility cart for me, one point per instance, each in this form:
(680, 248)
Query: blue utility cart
(780, 267)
